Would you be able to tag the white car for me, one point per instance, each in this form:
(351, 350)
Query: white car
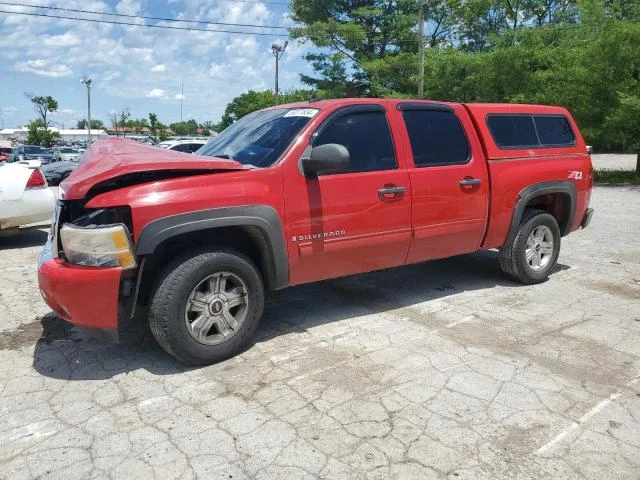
(64, 154)
(24, 196)
(185, 145)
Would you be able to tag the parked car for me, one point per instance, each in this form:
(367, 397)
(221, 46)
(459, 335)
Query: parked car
(5, 152)
(64, 154)
(32, 152)
(56, 172)
(305, 192)
(24, 196)
(187, 145)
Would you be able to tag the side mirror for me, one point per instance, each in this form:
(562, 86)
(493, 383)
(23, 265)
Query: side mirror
(330, 157)
(589, 149)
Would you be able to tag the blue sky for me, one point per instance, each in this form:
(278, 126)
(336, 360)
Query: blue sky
(139, 68)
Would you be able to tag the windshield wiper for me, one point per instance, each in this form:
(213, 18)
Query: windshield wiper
(222, 155)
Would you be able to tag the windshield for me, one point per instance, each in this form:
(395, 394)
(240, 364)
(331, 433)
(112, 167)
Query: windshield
(260, 138)
(67, 150)
(35, 150)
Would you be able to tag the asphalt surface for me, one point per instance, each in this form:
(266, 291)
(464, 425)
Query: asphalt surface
(440, 370)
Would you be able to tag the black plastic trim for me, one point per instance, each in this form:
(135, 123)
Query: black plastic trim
(262, 217)
(533, 191)
(424, 106)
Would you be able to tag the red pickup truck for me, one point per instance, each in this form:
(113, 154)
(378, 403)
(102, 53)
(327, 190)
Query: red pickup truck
(304, 192)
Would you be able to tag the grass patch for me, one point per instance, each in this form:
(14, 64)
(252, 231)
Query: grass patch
(617, 177)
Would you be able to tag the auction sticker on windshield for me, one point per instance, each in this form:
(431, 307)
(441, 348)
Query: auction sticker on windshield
(302, 112)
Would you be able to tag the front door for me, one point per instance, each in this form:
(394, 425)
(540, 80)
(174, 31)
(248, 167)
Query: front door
(355, 220)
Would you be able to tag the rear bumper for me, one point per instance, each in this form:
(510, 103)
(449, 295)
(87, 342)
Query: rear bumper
(84, 296)
(586, 220)
(33, 207)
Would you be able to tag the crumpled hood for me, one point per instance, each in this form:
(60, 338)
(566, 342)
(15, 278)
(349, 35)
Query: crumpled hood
(112, 158)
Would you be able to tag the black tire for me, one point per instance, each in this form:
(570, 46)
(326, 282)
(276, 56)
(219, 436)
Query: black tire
(513, 257)
(170, 297)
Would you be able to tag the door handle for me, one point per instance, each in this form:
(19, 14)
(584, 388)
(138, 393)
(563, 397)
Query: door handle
(470, 182)
(391, 192)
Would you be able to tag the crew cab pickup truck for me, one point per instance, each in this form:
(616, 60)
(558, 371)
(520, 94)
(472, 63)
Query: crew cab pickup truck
(305, 192)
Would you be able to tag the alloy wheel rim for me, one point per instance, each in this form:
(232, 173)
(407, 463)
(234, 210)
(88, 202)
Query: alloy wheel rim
(216, 308)
(539, 249)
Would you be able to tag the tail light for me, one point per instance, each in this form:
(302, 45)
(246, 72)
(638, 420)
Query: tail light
(36, 180)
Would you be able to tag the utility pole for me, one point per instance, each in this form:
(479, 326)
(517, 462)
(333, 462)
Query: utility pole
(87, 81)
(423, 4)
(278, 51)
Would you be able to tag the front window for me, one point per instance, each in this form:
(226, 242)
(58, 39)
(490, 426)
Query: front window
(260, 138)
(67, 150)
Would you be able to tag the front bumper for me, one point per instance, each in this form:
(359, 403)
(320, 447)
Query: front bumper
(85, 296)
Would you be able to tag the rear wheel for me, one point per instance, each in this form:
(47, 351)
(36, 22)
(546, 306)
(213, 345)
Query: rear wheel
(534, 250)
(207, 306)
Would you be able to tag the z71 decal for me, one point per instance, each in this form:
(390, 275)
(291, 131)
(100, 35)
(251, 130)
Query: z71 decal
(575, 174)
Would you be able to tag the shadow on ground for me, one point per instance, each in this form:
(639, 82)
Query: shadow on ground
(65, 351)
(23, 238)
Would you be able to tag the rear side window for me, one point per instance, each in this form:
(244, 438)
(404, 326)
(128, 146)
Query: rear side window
(437, 138)
(531, 131)
(554, 130)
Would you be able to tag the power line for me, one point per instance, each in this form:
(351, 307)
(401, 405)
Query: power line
(169, 27)
(93, 12)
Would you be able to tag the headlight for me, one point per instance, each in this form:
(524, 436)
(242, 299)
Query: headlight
(105, 246)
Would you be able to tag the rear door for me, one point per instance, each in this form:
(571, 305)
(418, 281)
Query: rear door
(449, 180)
(355, 220)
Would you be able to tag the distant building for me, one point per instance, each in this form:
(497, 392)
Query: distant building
(69, 135)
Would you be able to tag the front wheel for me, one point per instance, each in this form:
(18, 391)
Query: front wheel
(534, 250)
(207, 306)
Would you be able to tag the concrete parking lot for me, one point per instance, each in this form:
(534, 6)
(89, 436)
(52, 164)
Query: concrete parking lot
(440, 370)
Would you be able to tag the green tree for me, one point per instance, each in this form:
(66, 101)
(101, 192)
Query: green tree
(352, 34)
(39, 135)
(95, 124)
(208, 127)
(123, 117)
(44, 106)
(190, 127)
(158, 130)
(623, 125)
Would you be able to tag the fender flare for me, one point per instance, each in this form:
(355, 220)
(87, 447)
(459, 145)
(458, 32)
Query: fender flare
(263, 218)
(532, 191)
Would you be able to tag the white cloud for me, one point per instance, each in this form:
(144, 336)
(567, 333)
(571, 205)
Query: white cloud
(44, 68)
(156, 93)
(67, 39)
(180, 97)
(128, 7)
(215, 67)
(109, 76)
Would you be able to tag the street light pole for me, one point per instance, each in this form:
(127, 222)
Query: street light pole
(87, 81)
(278, 51)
